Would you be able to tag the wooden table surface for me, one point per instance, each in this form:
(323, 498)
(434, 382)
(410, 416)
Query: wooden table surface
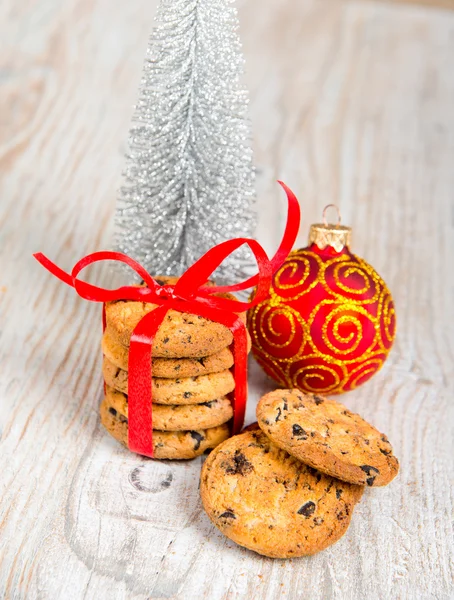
(351, 102)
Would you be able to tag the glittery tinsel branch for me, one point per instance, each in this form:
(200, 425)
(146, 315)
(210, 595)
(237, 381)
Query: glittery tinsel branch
(189, 179)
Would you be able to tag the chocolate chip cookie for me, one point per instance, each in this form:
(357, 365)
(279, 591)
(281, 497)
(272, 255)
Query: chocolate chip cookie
(186, 390)
(168, 367)
(266, 500)
(166, 444)
(177, 418)
(180, 335)
(324, 434)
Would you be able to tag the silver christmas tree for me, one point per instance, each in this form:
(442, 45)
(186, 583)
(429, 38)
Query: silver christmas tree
(189, 175)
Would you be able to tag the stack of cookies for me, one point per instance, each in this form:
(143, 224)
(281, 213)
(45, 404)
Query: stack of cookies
(191, 362)
(287, 485)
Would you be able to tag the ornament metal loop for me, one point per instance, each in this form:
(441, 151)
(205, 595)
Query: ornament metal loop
(325, 222)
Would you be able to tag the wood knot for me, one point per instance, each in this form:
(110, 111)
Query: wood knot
(147, 482)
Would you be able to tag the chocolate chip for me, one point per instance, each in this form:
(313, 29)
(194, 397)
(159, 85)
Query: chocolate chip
(341, 515)
(338, 493)
(240, 466)
(198, 437)
(177, 367)
(385, 452)
(298, 431)
(285, 405)
(112, 411)
(312, 433)
(158, 280)
(384, 439)
(279, 412)
(123, 419)
(165, 340)
(201, 361)
(228, 514)
(187, 395)
(307, 509)
(189, 338)
(368, 470)
(318, 400)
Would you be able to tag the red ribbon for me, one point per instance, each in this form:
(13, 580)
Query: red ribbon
(189, 295)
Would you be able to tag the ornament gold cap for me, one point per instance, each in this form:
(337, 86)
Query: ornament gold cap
(326, 234)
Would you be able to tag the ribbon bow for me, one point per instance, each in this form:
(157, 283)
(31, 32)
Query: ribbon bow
(188, 295)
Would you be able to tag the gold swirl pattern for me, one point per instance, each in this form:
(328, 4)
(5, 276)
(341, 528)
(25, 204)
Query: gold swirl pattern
(365, 370)
(342, 330)
(314, 375)
(328, 325)
(297, 276)
(347, 276)
(387, 320)
(286, 330)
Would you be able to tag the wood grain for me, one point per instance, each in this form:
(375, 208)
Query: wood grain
(352, 102)
(446, 4)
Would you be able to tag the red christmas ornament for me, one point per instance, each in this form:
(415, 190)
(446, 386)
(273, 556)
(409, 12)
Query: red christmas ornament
(329, 322)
